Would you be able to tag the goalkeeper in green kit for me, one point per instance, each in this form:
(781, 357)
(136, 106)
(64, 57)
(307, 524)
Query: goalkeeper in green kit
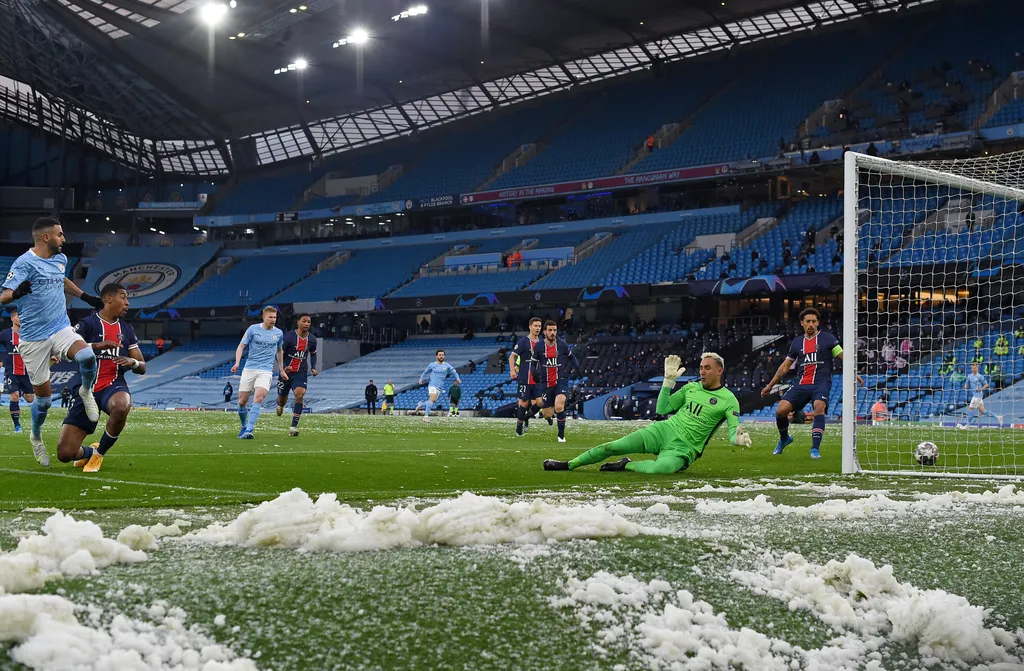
(699, 407)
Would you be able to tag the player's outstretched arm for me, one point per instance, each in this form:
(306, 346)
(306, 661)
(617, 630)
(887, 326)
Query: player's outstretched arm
(667, 401)
(787, 363)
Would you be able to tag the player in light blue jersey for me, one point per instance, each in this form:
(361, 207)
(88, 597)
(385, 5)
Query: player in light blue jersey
(266, 345)
(437, 373)
(37, 283)
(977, 384)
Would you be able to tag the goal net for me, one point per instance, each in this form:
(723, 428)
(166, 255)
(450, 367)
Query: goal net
(933, 287)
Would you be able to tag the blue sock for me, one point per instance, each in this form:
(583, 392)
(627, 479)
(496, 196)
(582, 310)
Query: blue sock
(86, 452)
(817, 431)
(86, 360)
(429, 406)
(106, 442)
(560, 416)
(254, 415)
(40, 407)
(243, 414)
(16, 413)
(296, 413)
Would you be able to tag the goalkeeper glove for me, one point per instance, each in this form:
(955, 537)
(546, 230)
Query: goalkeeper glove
(742, 437)
(673, 370)
(23, 289)
(94, 301)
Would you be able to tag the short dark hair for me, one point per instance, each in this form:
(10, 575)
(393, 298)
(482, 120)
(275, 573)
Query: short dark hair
(12, 309)
(550, 323)
(534, 319)
(304, 314)
(111, 289)
(43, 223)
(440, 351)
(810, 311)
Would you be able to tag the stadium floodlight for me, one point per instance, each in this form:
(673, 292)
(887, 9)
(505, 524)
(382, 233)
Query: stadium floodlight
(301, 64)
(929, 287)
(359, 37)
(415, 10)
(212, 13)
(112, 232)
(161, 233)
(152, 229)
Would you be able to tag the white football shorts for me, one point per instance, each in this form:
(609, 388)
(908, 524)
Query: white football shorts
(37, 353)
(434, 391)
(251, 379)
(976, 402)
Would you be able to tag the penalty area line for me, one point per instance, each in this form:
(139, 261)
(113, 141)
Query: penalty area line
(115, 481)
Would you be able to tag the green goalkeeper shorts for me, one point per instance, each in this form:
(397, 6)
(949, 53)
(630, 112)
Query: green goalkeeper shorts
(659, 438)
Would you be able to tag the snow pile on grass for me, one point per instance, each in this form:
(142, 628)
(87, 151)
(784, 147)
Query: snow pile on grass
(294, 520)
(877, 505)
(856, 597)
(138, 537)
(662, 628)
(66, 546)
(47, 635)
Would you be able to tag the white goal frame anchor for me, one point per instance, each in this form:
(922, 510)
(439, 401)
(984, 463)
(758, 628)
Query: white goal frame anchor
(854, 161)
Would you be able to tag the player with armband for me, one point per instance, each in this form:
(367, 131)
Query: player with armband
(699, 409)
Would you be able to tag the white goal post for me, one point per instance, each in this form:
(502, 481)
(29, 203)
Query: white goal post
(931, 284)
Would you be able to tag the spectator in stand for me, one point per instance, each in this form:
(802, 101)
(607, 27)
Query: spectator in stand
(471, 366)
(228, 391)
(814, 159)
(872, 150)
(159, 346)
(424, 325)
(879, 411)
(650, 143)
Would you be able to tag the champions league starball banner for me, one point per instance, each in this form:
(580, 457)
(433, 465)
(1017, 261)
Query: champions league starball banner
(151, 275)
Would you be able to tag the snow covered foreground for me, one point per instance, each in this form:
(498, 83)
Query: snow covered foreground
(865, 607)
(294, 520)
(45, 631)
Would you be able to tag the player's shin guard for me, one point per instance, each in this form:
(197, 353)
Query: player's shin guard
(243, 414)
(782, 422)
(86, 360)
(296, 413)
(16, 413)
(817, 431)
(40, 407)
(106, 442)
(560, 416)
(254, 415)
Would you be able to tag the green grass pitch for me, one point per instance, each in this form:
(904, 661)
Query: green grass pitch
(481, 608)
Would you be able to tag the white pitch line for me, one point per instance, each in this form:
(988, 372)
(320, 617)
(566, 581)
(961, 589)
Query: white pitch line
(272, 453)
(93, 478)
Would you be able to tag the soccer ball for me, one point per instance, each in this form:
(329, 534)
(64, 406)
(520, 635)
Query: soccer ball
(926, 453)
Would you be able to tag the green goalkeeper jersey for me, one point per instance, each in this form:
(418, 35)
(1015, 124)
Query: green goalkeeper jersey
(699, 412)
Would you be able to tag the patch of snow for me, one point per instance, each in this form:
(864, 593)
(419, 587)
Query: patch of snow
(659, 509)
(294, 520)
(47, 635)
(64, 546)
(856, 598)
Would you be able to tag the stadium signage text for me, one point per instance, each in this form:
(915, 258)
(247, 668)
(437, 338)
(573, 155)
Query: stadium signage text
(433, 201)
(142, 279)
(171, 205)
(604, 183)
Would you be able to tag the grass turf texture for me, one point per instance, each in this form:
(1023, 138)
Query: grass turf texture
(472, 608)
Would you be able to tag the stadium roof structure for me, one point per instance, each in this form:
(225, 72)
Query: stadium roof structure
(150, 84)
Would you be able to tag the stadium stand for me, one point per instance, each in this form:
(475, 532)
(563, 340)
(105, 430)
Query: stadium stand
(251, 280)
(369, 273)
(499, 279)
(622, 116)
(277, 193)
(343, 386)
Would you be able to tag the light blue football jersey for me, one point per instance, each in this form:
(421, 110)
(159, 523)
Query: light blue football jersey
(44, 311)
(438, 373)
(263, 346)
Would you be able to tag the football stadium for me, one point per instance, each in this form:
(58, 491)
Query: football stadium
(511, 335)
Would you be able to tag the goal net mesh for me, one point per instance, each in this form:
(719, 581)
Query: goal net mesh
(939, 285)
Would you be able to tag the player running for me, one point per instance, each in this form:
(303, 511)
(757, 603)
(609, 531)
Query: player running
(977, 384)
(553, 359)
(437, 373)
(300, 358)
(16, 384)
(38, 284)
(699, 407)
(813, 353)
(265, 342)
(529, 393)
(117, 349)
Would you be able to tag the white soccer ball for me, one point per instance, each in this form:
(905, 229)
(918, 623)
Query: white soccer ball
(926, 453)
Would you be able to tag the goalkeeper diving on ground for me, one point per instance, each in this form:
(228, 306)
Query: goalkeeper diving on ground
(699, 409)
